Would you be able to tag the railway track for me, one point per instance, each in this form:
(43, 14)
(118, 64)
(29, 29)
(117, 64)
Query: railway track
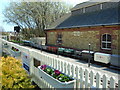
(117, 69)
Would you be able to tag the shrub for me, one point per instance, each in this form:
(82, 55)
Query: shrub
(15, 41)
(13, 75)
(4, 54)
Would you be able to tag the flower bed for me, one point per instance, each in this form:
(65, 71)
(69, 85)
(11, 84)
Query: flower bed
(14, 49)
(55, 77)
(15, 52)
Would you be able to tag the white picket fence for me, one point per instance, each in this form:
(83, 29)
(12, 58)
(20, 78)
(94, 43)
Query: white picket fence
(85, 78)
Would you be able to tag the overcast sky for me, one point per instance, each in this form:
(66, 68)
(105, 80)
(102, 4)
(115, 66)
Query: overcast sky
(10, 27)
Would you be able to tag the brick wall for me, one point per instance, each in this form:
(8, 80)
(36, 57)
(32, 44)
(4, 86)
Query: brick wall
(51, 38)
(115, 42)
(79, 38)
(118, 40)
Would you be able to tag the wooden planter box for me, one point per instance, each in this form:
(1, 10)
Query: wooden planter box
(54, 82)
(15, 53)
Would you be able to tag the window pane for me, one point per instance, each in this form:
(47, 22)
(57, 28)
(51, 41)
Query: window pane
(108, 37)
(108, 45)
(103, 45)
(104, 37)
(106, 41)
(59, 38)
(36, 63)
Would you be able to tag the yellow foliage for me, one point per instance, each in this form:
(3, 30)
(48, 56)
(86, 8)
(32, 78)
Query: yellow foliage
(13, 75)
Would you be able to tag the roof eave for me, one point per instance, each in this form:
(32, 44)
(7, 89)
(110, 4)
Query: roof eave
(82, 26)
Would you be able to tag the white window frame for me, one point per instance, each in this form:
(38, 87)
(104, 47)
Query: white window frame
(106, 42)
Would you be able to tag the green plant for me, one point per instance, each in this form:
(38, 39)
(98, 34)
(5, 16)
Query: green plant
(15, 41)
(13, 75)
(14, 49)
(49, 70)
(56, 73)
(4, 55)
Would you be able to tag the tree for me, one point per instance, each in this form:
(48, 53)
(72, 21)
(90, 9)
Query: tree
(34, 17)
(13, 75)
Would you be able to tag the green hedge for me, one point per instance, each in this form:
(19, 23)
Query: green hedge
(13, 75)
(17, 41)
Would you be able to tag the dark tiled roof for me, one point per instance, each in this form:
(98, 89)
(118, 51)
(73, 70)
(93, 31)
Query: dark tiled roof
(103, 17)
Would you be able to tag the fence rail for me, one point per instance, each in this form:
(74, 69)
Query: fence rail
(84, 77)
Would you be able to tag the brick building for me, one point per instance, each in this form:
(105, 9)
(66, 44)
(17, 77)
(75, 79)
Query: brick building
(96, 23)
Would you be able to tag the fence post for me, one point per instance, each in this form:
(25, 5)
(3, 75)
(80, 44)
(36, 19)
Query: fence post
(86, 78)
(43, 59)
(91, 78)
(112, 82)
(64, 67)
(68, 69)
(98, 80)
(57, 64)
(54, 62)
(31, 63)
(50, 61)
(77, 78)
(73, 71)
(119, 85)
(105, 83)
(81, 78)
(47, 60)
(60, 65)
